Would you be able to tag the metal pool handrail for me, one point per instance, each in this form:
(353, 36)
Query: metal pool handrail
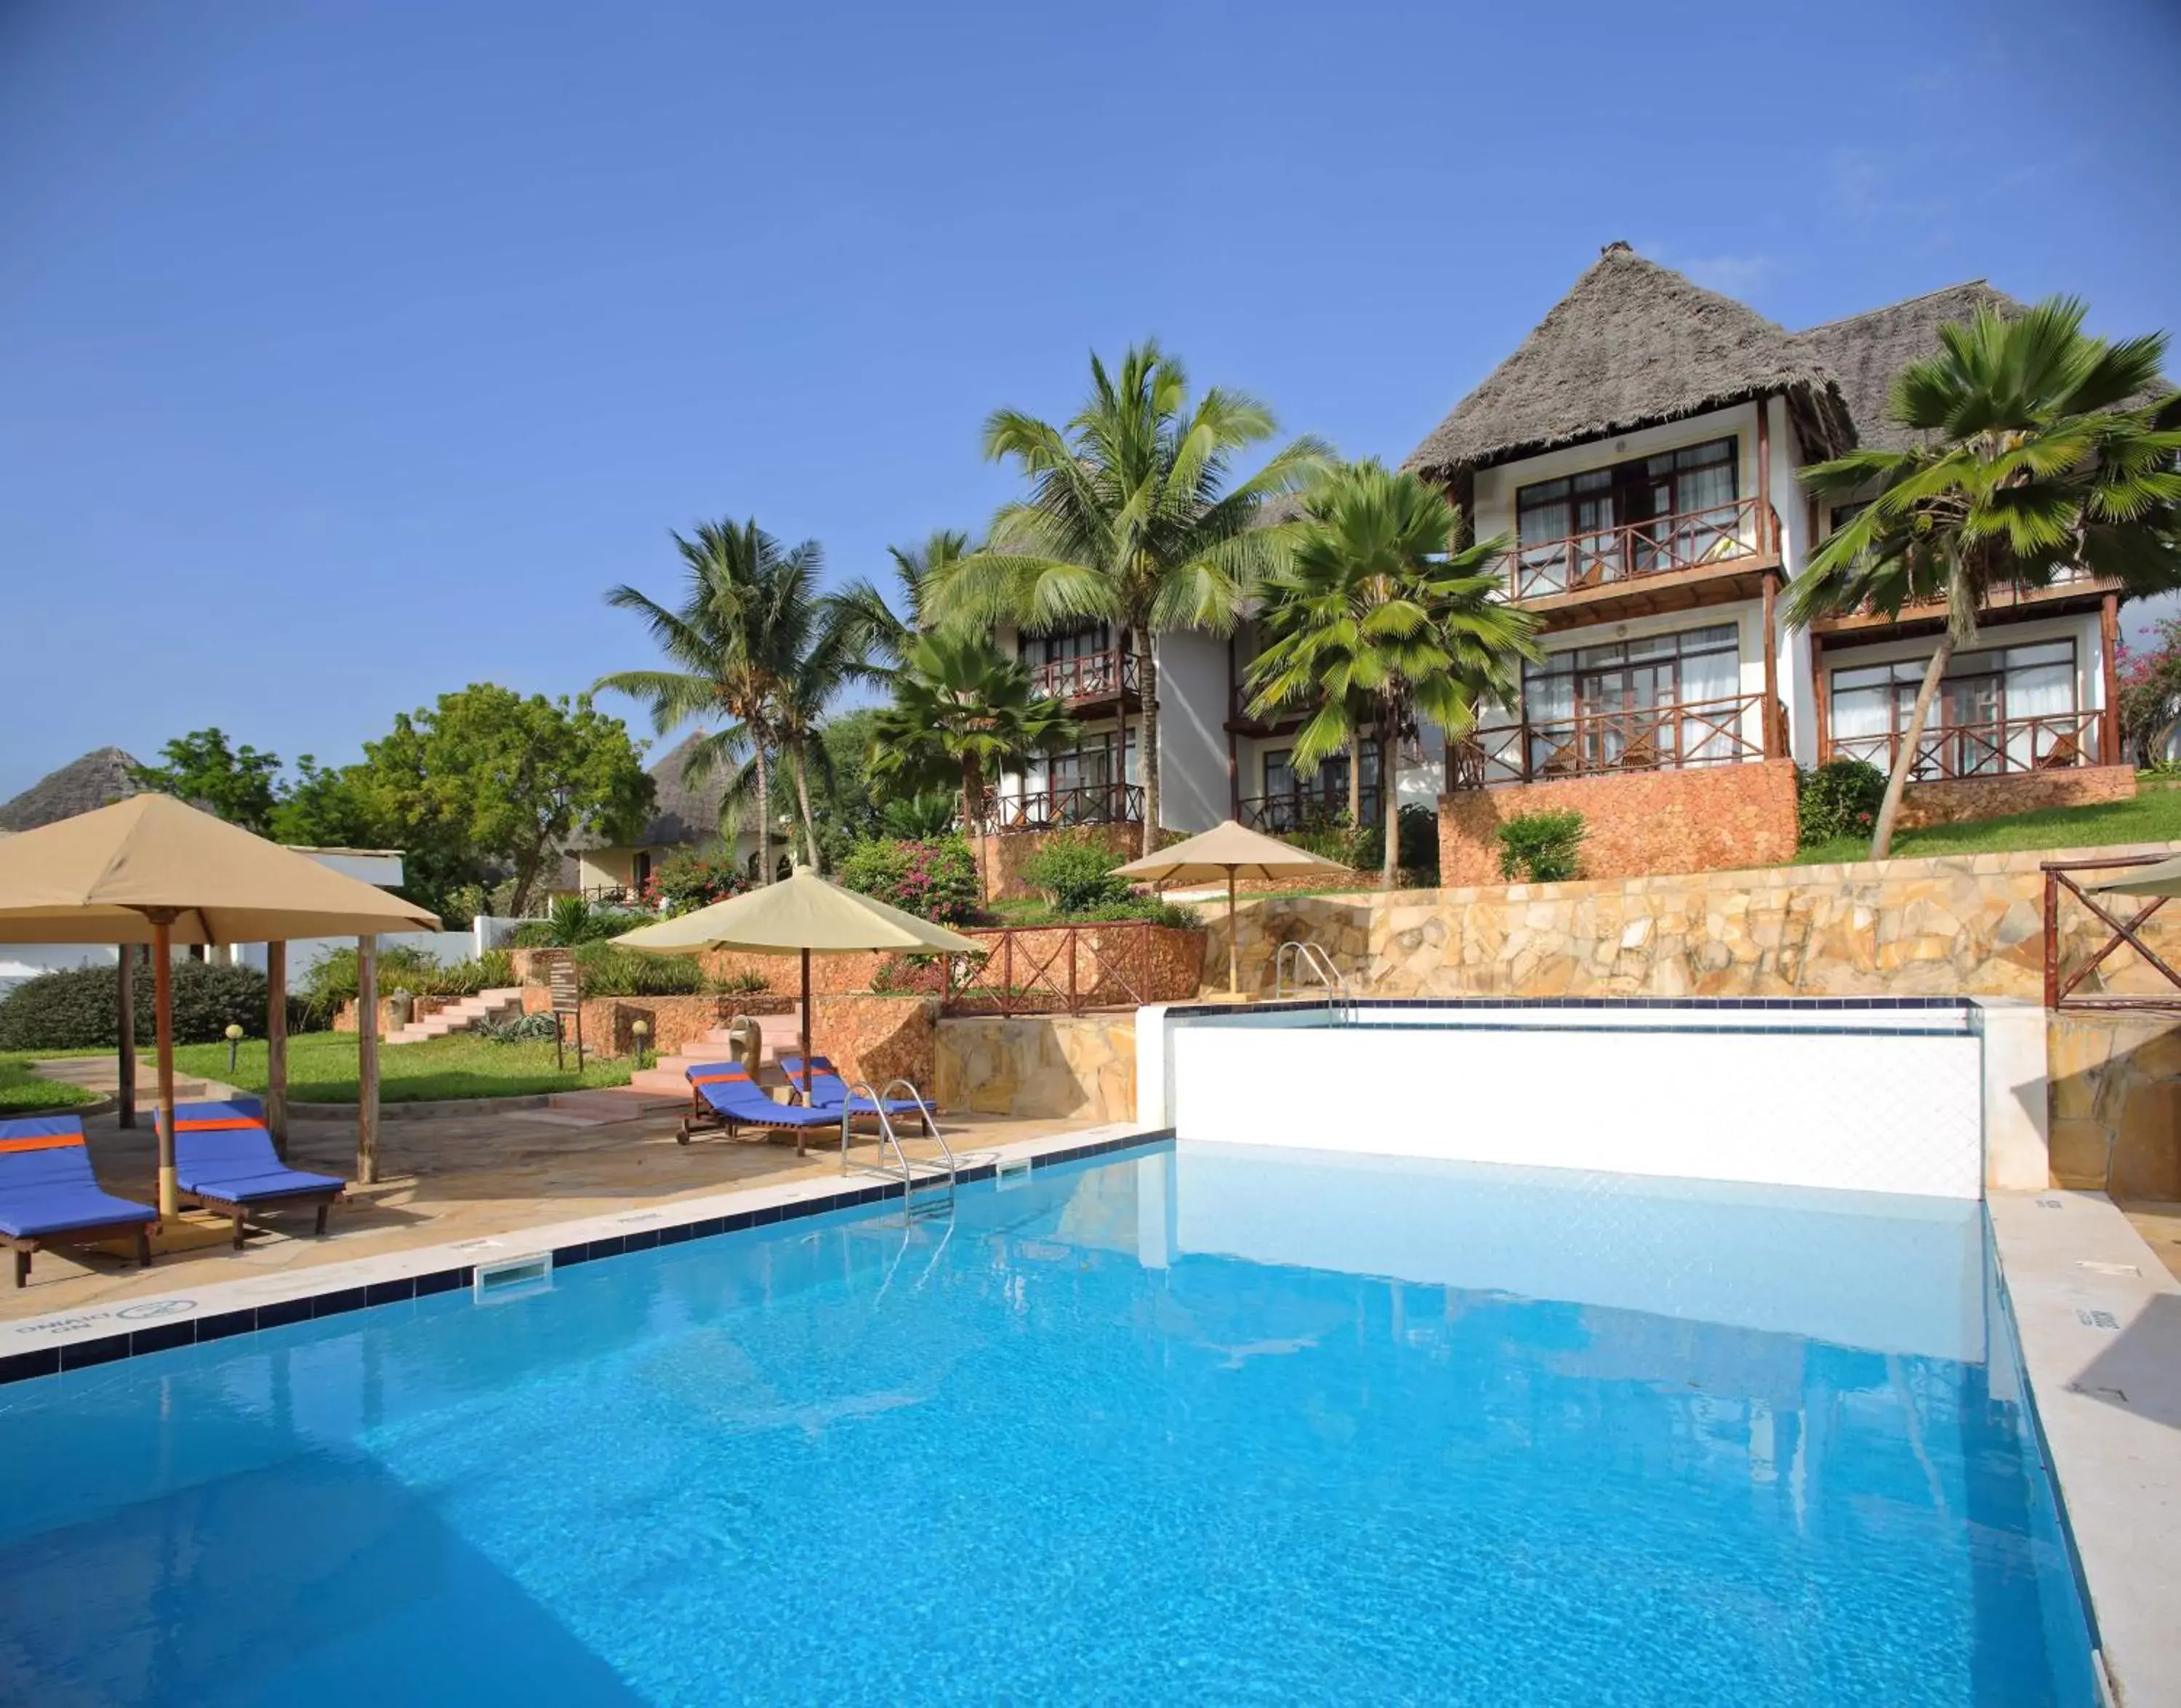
(886, 1135)
(1309, 960)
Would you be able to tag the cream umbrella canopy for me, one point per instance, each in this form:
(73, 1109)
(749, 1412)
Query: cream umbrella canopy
(802, 915)
(153, 870)
(2162, 879)
(1230, 851)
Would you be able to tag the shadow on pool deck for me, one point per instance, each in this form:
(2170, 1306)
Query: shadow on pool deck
(453, 1178)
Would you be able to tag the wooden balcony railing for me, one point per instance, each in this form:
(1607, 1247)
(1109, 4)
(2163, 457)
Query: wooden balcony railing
(1082, 803)
(1993, 748)
(1281, 815)
(1104, 676)
(1593, 744)
(2003, 594)
(1059, 969)
(1721, 534)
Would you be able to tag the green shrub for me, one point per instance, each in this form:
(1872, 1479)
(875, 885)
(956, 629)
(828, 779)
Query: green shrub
(1841, 798)
(1415, 848)
(606, 971)
(1155, 908)
(749, 983)
(531, 934)
(1541, 847)
(934, 879)
(1077, 874)
(518, 1028)
(331, 977)
(74, 1009)
(687, 881)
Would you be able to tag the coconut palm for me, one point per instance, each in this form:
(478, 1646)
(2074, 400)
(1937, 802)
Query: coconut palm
(874, 634)
(1375, 618)
(1131, 521)
(741, 643)
(2026, 462)
(963, 713)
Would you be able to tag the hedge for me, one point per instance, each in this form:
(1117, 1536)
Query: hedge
(74, 1009)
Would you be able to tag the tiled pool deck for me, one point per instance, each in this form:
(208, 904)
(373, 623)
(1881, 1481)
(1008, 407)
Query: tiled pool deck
(2099, 1320)
(449, 1179)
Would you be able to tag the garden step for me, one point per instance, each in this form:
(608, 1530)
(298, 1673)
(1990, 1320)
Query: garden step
(460, 1017)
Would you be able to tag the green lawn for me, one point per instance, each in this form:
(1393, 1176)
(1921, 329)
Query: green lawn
(22, 1092)
(2154, 816)
(322, 1068)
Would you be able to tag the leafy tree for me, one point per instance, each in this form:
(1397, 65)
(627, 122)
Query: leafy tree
(1376, 617)
(921, 818)
(2027, 461)
(487, 778)
(744, 648)
(328, 806)
(234, 783)
(1131, 521)
(963, 713)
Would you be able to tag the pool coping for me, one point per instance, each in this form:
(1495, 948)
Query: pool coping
(64, 1340)
(2097, 1322)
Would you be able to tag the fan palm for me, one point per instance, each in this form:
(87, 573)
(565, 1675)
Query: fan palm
(962, 714)
(1131, 521)
(1375, 618)
(744, 644)
(2027, 463)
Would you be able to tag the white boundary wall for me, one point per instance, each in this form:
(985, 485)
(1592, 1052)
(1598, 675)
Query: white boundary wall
(1932, 1101)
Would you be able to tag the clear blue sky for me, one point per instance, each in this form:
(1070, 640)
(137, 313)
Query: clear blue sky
(347, 352)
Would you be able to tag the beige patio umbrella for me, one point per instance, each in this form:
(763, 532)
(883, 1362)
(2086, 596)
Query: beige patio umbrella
(801, 915)
(2162, 879)
(153, 870)
(1230, 850)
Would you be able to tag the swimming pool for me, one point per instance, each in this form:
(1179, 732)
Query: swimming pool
(1195, 1424)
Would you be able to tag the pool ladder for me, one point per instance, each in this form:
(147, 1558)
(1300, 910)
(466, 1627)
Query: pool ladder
(910, 1179)
(1310, 966)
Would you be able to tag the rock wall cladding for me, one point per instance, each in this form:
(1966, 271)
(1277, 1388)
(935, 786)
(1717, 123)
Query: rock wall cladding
(2019, 791)
(1965, 925)
(1071, 1066)
(2115, 1102)
(1637, 823)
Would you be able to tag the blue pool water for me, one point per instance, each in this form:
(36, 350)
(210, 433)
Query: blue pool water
(1213, 1426)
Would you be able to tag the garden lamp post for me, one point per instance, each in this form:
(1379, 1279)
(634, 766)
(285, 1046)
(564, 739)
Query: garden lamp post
(640, 1030)
(234, 1035)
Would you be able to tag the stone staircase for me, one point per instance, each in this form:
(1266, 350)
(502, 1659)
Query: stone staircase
(780, 1032)
(486, 1005)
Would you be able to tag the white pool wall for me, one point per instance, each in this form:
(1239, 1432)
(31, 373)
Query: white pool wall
(1932, 1101)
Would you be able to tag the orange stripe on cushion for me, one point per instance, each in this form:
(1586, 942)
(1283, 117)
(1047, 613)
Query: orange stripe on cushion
(44, 1141)
(225, 1124)
(724, 1073)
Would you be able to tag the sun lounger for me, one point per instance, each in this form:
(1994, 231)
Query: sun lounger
(49, 1197)
(822, 1086)
(225, 1160)
(722, 1093)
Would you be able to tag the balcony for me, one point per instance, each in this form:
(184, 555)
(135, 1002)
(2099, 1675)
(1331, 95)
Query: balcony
(1299, 809)
(2072, 582)
(1739, 535)
(1607, 743)
(1994, 748)
(1080, 803)
(1110, 674)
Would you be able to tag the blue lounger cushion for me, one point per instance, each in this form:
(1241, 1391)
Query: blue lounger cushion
(728, 1088)
(47, 1186)
(821, 1083)
(222, 1150)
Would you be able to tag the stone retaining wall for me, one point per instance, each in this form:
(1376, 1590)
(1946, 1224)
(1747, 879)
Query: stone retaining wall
(1638, 822)
(2018, 791)
(1081, 1067)
(2115, 1102)
(1001, 857)
(1966, 924)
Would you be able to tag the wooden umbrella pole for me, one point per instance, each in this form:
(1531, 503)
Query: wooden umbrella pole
(367, 1060)
(1234, 952)
(162, 1023)
(126, 1025)
(276, 1046)
(806, 1026)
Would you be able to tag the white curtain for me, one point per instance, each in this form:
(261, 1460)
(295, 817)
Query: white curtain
(1706, 680)
(2043, 690)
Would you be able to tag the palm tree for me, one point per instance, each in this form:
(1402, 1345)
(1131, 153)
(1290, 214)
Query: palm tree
(866, 619)
(1131, 521)
(2026, 462)
(742, 644)
(1375, 617)
(963, 713)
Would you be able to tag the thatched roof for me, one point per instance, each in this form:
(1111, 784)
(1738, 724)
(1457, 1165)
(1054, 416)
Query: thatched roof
(681, 814)
(1866, 352)
(98, 778)
(1633, 344)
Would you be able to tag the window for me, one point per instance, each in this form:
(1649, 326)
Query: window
(1678, 508)
(1290, 801)
(1077, 643)
(1596, 708)
(2000, 709)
